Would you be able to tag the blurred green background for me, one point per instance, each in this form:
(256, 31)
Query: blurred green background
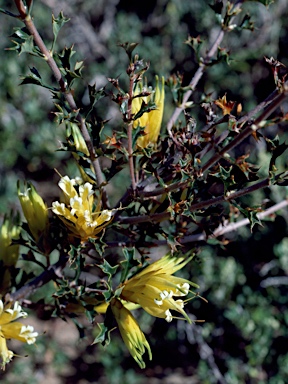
(245, 335)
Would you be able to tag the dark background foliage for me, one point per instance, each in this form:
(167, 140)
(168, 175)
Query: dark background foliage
(244, 338)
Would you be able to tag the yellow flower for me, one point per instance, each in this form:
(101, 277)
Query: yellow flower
(130, 331)
(150, 120)
(79, 141)
(80, 145)
(11, 329)
(154, 288)
(8, 232)
(8, 253)
(80, 212)
(34, 209)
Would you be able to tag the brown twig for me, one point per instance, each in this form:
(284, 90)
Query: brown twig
(53, 272)
(197, 76)
(26, 18)
(258, 123)
(193, 83)
(129, 134)
(221, 230)
(158, 217)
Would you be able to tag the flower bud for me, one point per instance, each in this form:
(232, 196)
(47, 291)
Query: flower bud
(34, 209)
(79, 141)
(9, 231)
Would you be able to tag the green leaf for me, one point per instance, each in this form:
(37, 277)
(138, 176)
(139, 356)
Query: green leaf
(250, 213)
(247, 23)
(75, 73)
(36, 79)
(145, 108)
(94, 96)
(217, 6)
(195, 43)
(282, 179)
(136, 133)
(223, 55)
(281, 148)
(79, 327)
(63, 60)
(103, 336)
(57, 24)
(24, 42)
(129, 263)
(277, 150)
(129, 48)
(108, 269)
(98, 243)
(225, 176)
(64, 113)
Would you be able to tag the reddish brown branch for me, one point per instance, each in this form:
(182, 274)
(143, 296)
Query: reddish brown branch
(66, 92)
(158, 217)
(221, 230)
(198, 74)
(258, 123)
(52, 273)
(129, 134)
(55, 270)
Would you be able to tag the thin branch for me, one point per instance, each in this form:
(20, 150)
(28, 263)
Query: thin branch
(129, 134)
(221, 230)
(66, 92)
(157, 217)
(194, 336)
(53, 272)
(258, 123)
(193, 83)
(271, 103)
(21, 8)
(197, 76)
(274, 281)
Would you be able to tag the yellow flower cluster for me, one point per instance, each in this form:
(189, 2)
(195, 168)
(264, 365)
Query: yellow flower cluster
(80, 211)
(11, 329)
(150, 120)
(154, 289)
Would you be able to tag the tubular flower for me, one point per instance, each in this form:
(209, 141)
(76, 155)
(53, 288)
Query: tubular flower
(80, 145)
(79, 211)
(150, 120)
(130, 331)
(79, 141)
(154, 288)
(8, 232)
(34, 209)
(11, 329)
(8, 253)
